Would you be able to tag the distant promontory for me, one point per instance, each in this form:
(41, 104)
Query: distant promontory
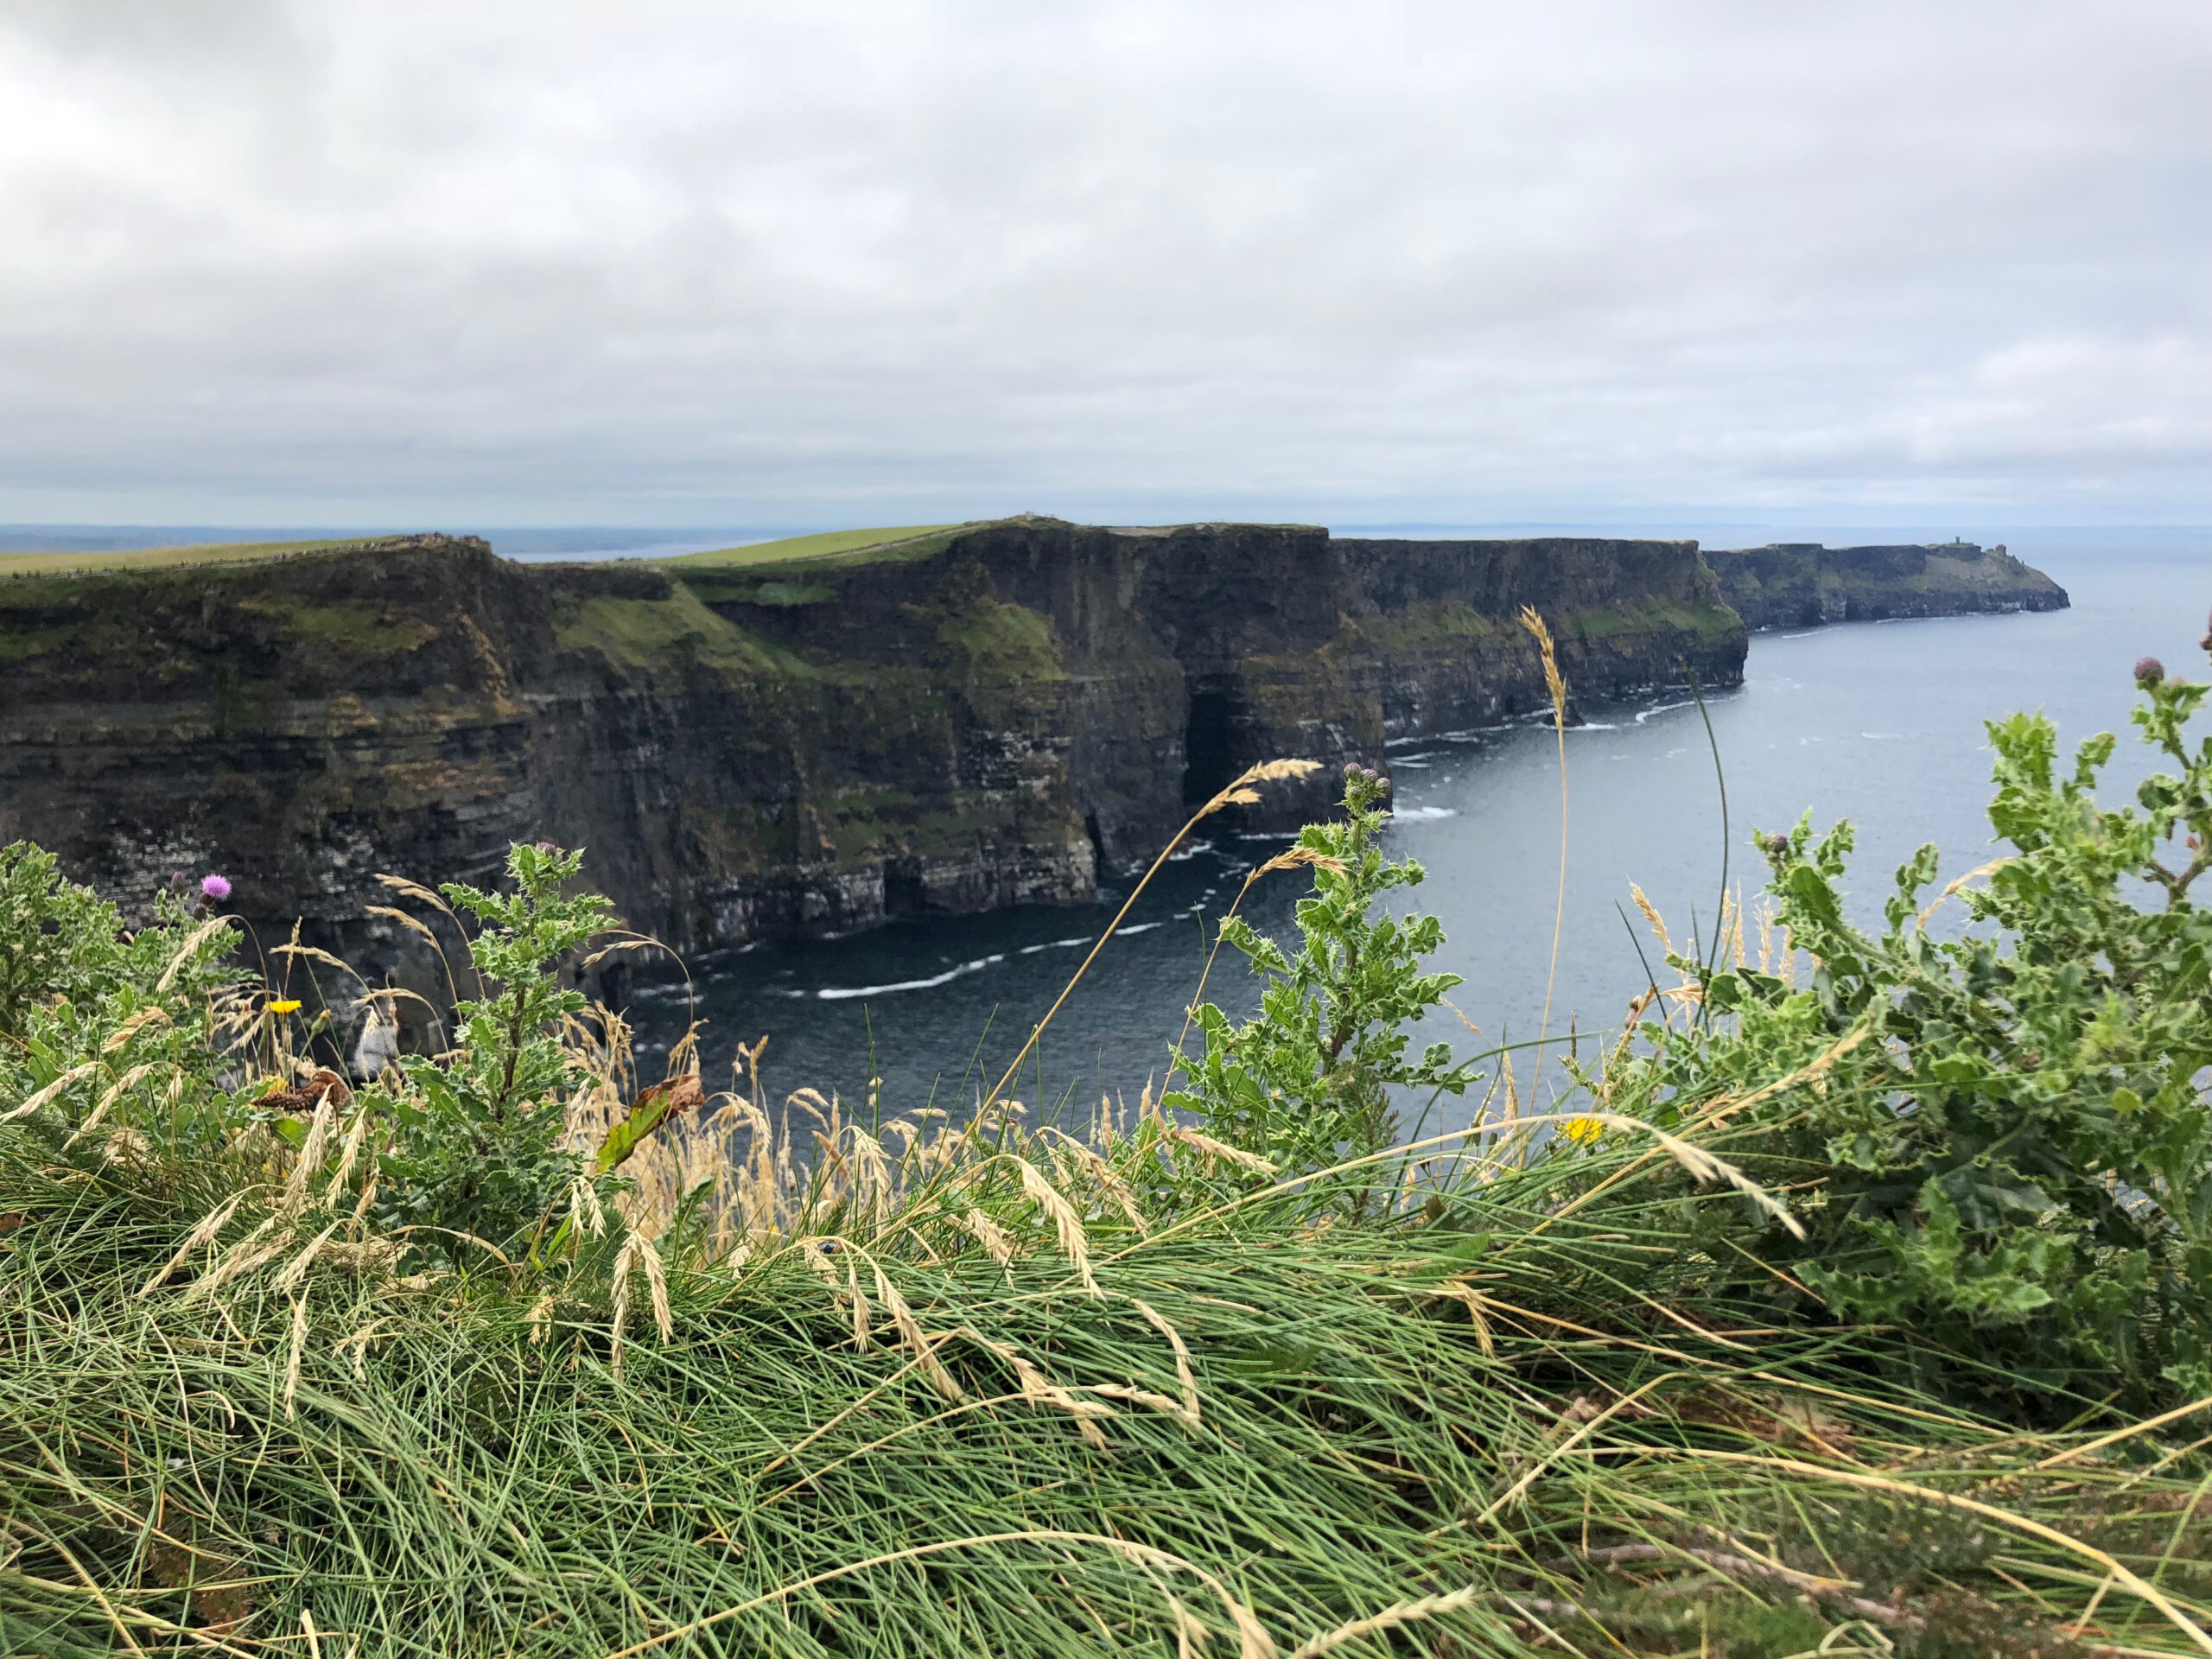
(1804, 584)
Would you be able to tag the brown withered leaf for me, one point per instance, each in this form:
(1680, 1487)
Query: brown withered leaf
(219, 1607)
(303, 1098)
(683, 1093)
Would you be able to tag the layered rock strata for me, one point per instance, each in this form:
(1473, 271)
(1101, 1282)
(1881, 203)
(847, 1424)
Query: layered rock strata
(1804, 584)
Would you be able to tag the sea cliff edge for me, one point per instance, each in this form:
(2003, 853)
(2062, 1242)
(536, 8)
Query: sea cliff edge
(997, 714)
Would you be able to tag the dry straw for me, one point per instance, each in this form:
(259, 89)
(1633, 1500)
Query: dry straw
(1391, 1619)
(1184, 1375)
(918, 1343)
(76, 1074)
(293, 1356)
(1075, 1243)
(153, 1012)
(637, 1256)
(1242, 791)
(210, 1225)
(185, 953)
(993, 1237)
(116, 1091)
(1557, 686)
(1212, 1151)
(1093, 1165)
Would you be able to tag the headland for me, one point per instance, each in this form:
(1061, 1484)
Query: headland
(1804, 584)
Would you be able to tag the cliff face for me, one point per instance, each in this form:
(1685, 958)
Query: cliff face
(1802, 584)
(983, 717)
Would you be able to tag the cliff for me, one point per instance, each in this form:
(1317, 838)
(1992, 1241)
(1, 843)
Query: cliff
(987, 715)
(1802, 584)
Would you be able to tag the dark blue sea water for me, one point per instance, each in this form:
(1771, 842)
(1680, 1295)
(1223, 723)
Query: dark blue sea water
(1880, 723)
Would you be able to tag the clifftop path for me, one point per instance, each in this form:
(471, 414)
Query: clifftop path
(965, 718)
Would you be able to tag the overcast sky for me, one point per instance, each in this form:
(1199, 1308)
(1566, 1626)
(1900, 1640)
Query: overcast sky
(751, 263)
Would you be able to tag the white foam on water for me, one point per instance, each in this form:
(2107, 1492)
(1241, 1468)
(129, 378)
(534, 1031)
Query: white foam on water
(1426, 814)
(840, 993)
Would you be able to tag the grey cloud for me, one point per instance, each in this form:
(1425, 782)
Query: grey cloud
(685, 261)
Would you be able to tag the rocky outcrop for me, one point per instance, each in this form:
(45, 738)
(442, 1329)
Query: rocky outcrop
(992, 715)
(1804, 584)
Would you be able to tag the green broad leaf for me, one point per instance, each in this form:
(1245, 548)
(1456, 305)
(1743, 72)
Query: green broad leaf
(654, 1108)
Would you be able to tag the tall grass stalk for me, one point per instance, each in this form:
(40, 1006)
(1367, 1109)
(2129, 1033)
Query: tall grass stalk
(1556, 687)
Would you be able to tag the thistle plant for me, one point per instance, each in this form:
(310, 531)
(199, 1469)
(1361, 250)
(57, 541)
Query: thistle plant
(97, 1018)
(477, 1138)
(2001, 1140)
(1310, 1081)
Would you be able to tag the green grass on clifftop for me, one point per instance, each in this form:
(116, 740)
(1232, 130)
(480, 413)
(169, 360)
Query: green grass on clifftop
(143, 558)
(667, 634)
(819, 545)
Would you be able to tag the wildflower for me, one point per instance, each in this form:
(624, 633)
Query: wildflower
(548, 847)
(1583, 1131)
(1776, 846)
(179, 880)
(285, 1005)
(2149, 671)
(215, 888)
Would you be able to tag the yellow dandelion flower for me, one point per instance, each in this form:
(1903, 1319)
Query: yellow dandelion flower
(1583, 1131)
(285, 1005)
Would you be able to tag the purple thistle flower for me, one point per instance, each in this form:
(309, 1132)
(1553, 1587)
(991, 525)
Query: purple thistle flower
(179, 880)
(215, 888)
(2149, 671)
(548, 847)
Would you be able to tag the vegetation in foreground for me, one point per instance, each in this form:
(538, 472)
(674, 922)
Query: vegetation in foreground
(1851, 1302)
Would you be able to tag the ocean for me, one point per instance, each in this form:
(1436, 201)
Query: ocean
(1881, 723)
